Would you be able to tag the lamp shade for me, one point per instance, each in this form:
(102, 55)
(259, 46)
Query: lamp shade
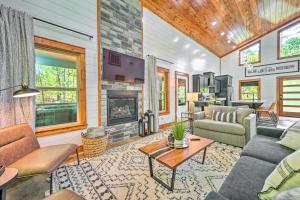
(192, 96)
(25, 91)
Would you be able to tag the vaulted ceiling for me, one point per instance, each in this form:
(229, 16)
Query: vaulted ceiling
(225, 25)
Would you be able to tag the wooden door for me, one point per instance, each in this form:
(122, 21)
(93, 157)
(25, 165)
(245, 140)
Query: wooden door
(288, 99)
(181, 88)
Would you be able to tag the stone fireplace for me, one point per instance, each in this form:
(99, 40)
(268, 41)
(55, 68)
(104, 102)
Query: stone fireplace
(122, 107)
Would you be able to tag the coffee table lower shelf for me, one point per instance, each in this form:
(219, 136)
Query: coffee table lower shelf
(170, 188)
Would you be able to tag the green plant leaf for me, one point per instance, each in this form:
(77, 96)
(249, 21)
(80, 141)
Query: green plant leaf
(178, 130)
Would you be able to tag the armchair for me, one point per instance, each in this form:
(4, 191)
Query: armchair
(19, 148)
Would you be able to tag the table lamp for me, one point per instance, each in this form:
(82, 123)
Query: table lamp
(191, 97)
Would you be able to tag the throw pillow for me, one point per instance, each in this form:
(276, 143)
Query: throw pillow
(208, 110)
(291, 139)
(292, 194)
(224, 116)
(285, 176)
(295, 125)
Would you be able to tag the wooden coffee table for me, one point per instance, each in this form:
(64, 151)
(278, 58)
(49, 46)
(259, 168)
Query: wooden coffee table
(172, 158)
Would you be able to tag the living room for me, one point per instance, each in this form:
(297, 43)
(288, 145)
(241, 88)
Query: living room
(145, 99)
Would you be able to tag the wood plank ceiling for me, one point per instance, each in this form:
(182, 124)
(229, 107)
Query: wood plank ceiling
(237, 22)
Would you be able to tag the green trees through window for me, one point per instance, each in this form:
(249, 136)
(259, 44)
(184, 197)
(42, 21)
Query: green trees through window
(289, 41)
(56, 78)
(163, 87)
(250, 54)
(181, 96)
(249, 89)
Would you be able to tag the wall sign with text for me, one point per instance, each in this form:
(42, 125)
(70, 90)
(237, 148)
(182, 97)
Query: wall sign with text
(276, 68)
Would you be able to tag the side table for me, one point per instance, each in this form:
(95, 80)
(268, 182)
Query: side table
(190, 117)
(6, 179)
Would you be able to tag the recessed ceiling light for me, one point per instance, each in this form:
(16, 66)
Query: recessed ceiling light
(187, 46)
(176, 39)
(195, 51)
(230, 35)
(223, 33)
(214, 23)
(203, 54)
(228, 41)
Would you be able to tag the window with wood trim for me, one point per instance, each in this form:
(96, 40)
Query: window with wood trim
(181, 92)
(164, 88)
(289, 41)
(60, 77)
(250, 54)
(250, 89)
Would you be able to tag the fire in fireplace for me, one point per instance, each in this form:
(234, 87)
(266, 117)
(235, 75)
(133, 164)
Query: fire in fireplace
(122, 107)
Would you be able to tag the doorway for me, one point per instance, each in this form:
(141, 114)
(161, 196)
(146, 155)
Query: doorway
(288, 96)
(181, 88)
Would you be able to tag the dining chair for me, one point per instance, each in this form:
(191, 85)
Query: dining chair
(268, 112)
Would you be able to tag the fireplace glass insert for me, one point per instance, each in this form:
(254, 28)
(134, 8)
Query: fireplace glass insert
(121, 107)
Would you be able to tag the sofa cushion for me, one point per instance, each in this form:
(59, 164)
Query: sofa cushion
(224, 127)
(15, 142)
(285, 176)
(266, 148)
(246, 179)
(43, 160)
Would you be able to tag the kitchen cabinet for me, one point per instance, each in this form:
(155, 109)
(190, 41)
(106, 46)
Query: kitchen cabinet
(200, 83)
(217, 86)
(225, 88)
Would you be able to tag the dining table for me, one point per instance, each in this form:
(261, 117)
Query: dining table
(251, 103)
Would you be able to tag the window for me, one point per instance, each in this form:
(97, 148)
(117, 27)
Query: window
(250, 54)
(250, 89)
(181, 92)
(59, 75)
(289, 41)
(163, 87)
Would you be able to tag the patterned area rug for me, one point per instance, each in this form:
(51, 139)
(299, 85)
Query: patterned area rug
(122, 173)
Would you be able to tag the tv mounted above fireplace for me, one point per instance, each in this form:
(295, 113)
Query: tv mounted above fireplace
(123, 68)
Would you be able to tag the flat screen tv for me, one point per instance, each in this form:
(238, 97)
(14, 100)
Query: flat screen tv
(122, 68)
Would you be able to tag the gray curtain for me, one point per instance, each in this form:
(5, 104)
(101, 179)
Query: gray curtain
(152, 89)
(16, 65)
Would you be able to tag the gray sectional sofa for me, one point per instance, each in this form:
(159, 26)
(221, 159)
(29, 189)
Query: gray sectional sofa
(258, 159)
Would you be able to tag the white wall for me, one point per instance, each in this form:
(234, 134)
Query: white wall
(159, 41)
(82, 16)
(78, 15)
(229, 65)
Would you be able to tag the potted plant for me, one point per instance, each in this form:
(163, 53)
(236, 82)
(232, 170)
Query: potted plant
(178, 132)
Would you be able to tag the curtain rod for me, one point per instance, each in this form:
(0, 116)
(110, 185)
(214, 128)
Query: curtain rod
(163, 60)
(59, 26)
